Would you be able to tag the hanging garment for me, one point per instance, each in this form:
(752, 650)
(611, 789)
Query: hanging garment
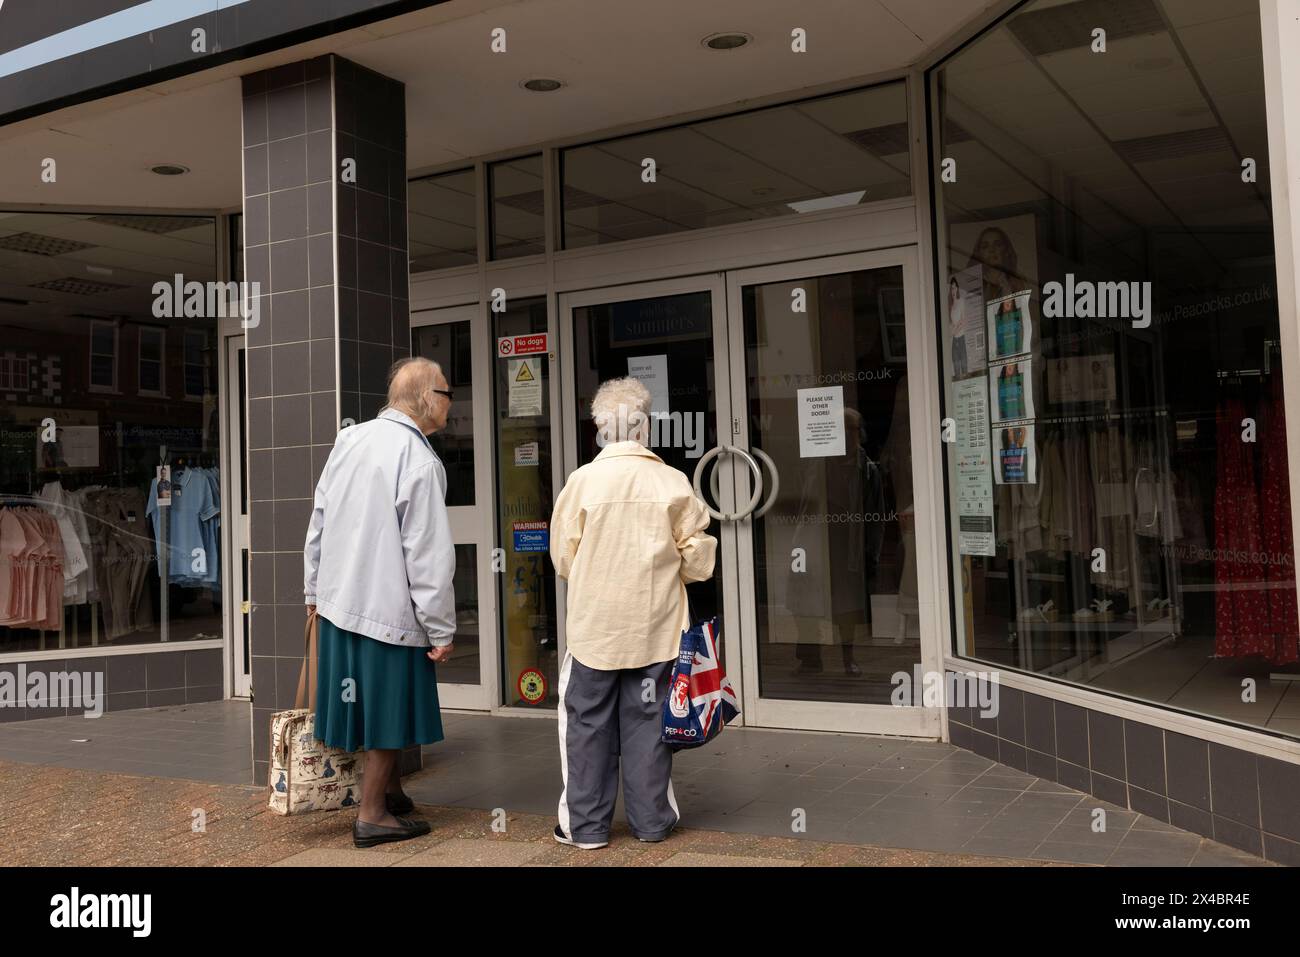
(1275, 495)
(191, 551)
(31, 565)
(1241, 607)
(77, 572)
(128, 556)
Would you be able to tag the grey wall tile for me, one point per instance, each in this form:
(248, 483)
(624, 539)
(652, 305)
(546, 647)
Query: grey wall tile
(1106, 745)
(1191, 819)
(1109, 789)
(1238, 835)
(1187, 770)
(1040, 724)
(1279, 797)
(1282, 851)
(1234, 785)
(291, 519)
(1011, 715)
(126, 673)
(203, 667)
(1071, 734)
(1149, 803)
(288, 578)
(1144, 749)
(291, 368)
(292, 416)
(292, 474)
(164, 670)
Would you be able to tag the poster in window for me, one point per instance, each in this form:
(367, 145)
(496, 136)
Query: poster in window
(1015, 458)
(1011, 390)
(965, 314)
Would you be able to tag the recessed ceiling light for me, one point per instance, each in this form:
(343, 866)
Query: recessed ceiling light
(170, 169)
(726, 41)
(541, 85)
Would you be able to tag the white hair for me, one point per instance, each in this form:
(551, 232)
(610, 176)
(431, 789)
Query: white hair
(409, 383)
(621, 411)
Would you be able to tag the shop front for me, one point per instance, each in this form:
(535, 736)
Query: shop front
(972, 348)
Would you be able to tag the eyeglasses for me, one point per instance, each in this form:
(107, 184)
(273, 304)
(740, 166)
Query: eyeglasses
(446, 392)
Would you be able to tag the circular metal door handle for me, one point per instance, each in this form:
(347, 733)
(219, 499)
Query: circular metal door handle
(753, 468)
(776, 482)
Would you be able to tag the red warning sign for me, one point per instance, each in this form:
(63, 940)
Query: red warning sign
(521, 345)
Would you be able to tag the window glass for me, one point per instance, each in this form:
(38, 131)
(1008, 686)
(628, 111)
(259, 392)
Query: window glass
(827, 153)
(517, 208)
(443, 221)
(1119, 500)
(448, 344)
(94, 402)
(524, 499)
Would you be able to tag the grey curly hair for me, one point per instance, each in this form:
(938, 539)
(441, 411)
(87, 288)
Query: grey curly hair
(621, 410)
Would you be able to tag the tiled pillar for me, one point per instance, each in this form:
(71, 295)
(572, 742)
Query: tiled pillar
(330, 257)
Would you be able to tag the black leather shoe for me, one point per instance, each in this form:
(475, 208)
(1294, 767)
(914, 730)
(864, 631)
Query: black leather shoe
(368, 835)
(399, 805)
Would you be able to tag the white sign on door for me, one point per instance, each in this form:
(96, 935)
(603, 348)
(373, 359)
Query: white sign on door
(821, 422)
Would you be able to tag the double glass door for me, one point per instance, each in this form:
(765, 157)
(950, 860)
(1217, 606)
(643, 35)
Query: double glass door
(783, 394)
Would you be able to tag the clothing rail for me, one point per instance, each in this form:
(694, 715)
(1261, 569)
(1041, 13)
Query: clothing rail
(1134, 415)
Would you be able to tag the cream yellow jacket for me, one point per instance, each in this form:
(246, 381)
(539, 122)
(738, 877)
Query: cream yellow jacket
(627, 534)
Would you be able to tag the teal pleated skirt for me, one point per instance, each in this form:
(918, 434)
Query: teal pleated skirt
(395, 704)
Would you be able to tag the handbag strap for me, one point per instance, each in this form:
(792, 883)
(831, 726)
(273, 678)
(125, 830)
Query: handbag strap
(306, 696)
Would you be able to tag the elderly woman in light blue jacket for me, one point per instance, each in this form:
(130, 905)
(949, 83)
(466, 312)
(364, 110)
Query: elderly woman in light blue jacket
(379, 562)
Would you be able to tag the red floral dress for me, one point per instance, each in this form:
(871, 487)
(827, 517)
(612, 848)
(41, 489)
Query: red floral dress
(1241, 612)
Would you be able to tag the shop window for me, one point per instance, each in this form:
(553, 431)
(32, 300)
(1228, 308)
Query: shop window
(1119, 514)
(832, 152)
(517, 207)
(153, 347)
(111, 559)
(103, 356)
(443, 221)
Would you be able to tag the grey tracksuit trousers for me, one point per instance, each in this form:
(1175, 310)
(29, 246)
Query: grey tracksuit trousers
(604, 717)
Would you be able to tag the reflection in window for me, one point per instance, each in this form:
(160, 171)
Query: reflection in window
(110, 560)
(827, 153)
(443, 221)
(448, 344)
(517, 208)
(1109, 298)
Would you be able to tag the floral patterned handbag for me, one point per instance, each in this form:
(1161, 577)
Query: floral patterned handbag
(305, 774)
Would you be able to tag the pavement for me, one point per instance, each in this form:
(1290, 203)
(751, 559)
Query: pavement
(170, 787)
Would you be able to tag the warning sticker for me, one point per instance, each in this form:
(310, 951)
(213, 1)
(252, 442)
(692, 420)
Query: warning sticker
(525, 377)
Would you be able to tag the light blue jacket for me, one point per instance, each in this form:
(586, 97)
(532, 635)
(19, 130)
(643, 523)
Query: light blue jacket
(379, 558)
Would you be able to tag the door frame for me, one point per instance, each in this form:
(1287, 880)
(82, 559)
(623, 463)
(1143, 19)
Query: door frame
(714, 284)
(827, 715)
(475, 524)
(235, 542)
(735, 546)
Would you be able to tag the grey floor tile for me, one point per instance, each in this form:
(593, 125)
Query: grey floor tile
(1000, 847)
(1072, 853)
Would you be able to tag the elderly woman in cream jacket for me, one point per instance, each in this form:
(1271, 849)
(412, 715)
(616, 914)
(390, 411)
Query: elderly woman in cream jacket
(627, 534)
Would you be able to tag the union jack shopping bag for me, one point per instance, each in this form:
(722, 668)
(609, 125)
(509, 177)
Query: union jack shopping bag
(700, 696)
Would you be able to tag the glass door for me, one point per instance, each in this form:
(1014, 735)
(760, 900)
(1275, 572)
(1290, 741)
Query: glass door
(457, 339)
(831, 604)
(666, 334)
(783, 393)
